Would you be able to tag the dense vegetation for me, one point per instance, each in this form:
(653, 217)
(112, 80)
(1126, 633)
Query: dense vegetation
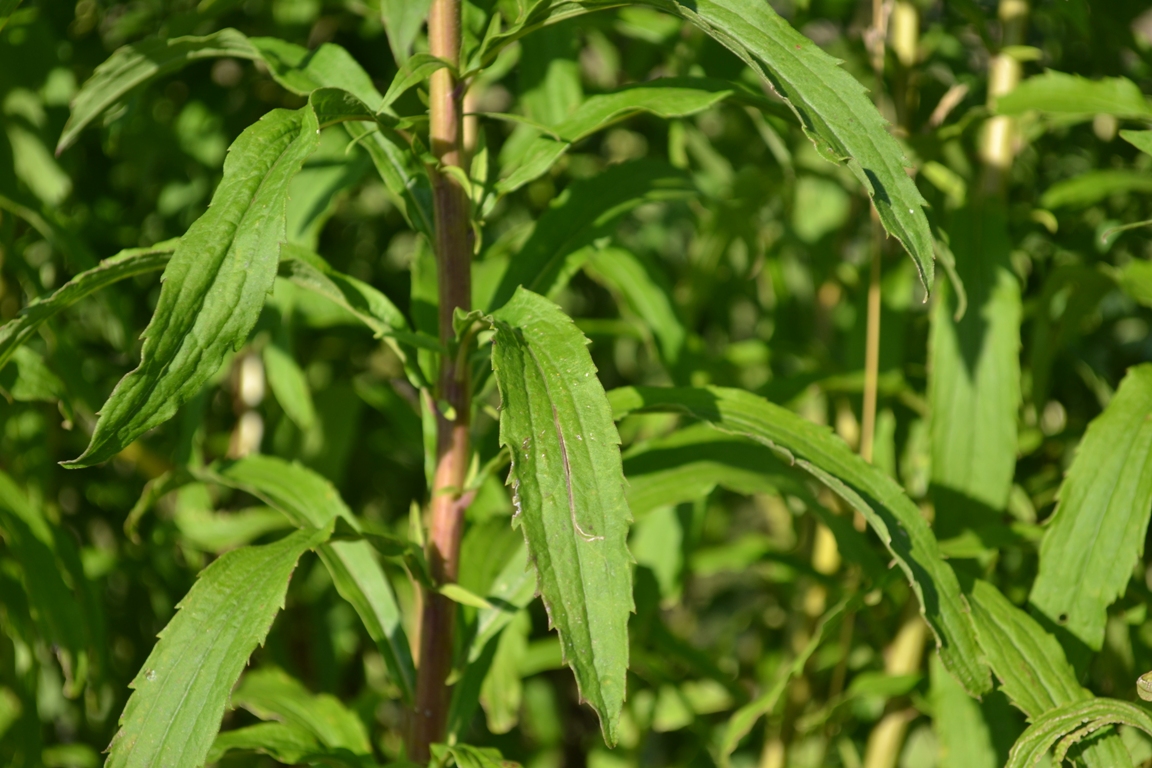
(575, 382)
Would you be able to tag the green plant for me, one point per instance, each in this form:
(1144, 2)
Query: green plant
(780, 210)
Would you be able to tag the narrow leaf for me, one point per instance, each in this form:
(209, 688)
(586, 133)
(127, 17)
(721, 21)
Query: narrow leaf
(133, 65)
(7, 8)
(284, 743)
(832, 107)
(289, 385)
(588, 209)
(639, 286)
(568, 488)
(179, 695)
(1093, 186)
(965, 739)
(1142, 140)
(1096, 535)
(128, 263)
(307, 499)
(891, 514)
(974, 374)
(414, 71)
(214, 286)
(402, 21)
(1031, 666)
(1069, 724)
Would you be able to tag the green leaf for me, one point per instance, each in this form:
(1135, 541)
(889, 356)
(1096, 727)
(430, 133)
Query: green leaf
(134, 65)
(413, 72)
(364, 302)
(502, 691)
(1069, 724)
(588, 210)
(974, 374)
(180, 693)
(832, 107)
(215, 284)
(665, 97)
(1060, 93)
(402, 21)
(34, 544)
(1092, 187)
(1096, 535)
(307, 499)
(221, 531)
(1031, 666)
(303, 71)
(128, 263)
(1135, 278)
(284, 743)
(272, 694)
(401, 171)
(639, 287)
(891, 514)
(289, 385)
(568, 488)
(741, 722)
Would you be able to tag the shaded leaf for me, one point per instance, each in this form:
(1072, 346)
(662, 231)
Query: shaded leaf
(568, 489)
(875, 495)
(127, 263)
(179, 695)
(636, 283)
(289, 386)
(215, 284)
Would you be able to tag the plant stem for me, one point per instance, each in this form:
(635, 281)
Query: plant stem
(997, 144)
(454, 265)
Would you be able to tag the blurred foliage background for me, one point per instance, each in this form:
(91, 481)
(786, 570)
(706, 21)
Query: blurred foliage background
(759, 280)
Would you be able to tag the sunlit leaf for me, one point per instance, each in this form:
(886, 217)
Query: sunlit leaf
(568, 488)
(1096, 535)
(1060, 93)
(180, 693)
(1070, 724)
(215, 284)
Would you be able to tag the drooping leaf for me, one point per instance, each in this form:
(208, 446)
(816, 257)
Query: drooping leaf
(568, 488)
(289, 385)
(974, 374)
(33, 543)
(891, 514)
(1096, 535)
(302, 70)
(1142, 140)
(215, 284)
(1070, 724)
(832, 107)
(283, 742)
(307, 499)
(665, 97)
(414, 71)
(128, 263)
(589, 209)
(272, 694)
(1091, 187)
(1031, 666)
(364, 302)
(133, 65)
(180, 693)
(1060, 93)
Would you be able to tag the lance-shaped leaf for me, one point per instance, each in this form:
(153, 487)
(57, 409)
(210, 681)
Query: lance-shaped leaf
(974, 375)
(568, 489)
(1070, 724)
(284, 743)
(959, 723)
(179, 695)
(127, 263)
(1031, 666)
(887, 509)
(307, 499)
(587, 210)
(133, 65)
(666, 97)
(7, 8)
(832, 107)
(215, 284)
(1096, 535)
